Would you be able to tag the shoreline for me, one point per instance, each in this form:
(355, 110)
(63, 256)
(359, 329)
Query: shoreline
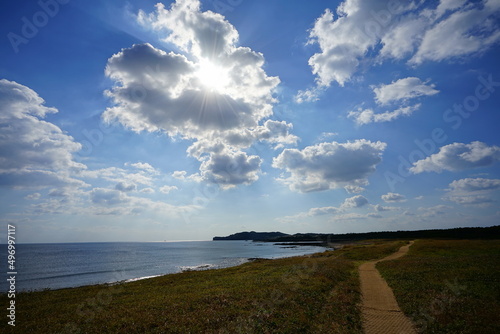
(196, 268)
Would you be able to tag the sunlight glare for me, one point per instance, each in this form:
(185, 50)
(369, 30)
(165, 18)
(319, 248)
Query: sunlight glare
(212, 76)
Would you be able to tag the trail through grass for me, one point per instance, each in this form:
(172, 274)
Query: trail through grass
(448, 286)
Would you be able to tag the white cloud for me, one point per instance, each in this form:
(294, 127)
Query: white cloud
(393, 197)
(33, 153)
(167, 189)
(351, 189)
(179, 174)
(107, 197)
(472, 191)
(474, 200)
(227, 168)
(400, 91)
(143, 166)
(458, 156)
(215, 93)
(343, 41)
(147, 190)
(366, 32)
(380, 208)
(329, 165)
(470, 30)
(403, 38)
(403, 90)
(37, 154)
(182, 175)
(368, 116)
(326, 210)
(355, 216)
(59, 192)
(476, 184)
(349, 203)
(354, 202)
(274, 132)
(113, 202)
(308, 95)
(446, 6)
(433, 211)
(125, 187)
(121, 176)
(33, 196)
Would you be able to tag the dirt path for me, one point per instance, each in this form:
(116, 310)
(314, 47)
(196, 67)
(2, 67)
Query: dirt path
(381, 313)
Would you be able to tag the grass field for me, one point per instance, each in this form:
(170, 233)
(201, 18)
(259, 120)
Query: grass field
(448, 286)
(317, 294)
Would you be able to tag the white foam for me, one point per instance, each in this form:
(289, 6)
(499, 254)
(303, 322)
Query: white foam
(198, 267)
(140, 278)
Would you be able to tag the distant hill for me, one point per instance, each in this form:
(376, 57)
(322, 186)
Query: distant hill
(492, 232)
(255, 236)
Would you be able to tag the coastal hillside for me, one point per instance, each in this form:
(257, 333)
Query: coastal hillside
(255, 236)
(492, 232)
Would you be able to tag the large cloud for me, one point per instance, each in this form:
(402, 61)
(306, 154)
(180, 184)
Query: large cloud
(457, 157)
(416, 30)
(33, 153)
(330, 165)
(215, 93)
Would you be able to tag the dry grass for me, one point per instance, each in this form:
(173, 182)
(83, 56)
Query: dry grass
(449, 286)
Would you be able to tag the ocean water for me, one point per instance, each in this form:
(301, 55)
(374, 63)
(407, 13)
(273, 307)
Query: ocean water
(56, 266)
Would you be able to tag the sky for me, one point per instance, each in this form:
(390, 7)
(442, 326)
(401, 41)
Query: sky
(188, 119)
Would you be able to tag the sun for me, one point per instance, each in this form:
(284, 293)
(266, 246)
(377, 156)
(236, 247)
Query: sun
(212, 76)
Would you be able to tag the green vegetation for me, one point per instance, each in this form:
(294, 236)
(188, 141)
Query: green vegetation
(316, 294)
(448, 286)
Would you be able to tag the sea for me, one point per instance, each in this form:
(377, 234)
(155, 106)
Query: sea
(65, 265)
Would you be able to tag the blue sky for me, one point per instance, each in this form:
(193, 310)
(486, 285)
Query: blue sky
(182, 120)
